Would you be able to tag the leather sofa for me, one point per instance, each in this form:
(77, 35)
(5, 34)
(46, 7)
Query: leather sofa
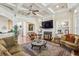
(71, 41)
(10, 47)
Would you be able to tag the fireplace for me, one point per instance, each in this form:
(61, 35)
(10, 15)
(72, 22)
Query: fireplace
(47, 36)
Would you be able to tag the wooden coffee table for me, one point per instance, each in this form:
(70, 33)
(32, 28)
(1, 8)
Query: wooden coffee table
(39, 44)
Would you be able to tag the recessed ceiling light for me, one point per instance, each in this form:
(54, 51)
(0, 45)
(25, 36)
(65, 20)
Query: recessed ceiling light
(75, 11)
(57, 6)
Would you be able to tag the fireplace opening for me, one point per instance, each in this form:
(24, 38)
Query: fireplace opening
(47, 36)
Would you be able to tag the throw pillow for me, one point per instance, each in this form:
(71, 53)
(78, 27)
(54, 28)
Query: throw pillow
(70, 38)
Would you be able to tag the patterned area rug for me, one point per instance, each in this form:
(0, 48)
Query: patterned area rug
(52, 49)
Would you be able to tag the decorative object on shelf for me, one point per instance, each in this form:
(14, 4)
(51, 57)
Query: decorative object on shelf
(60, 32)
(40, 29)
(66, 31)
(63, 28)
(31, 26)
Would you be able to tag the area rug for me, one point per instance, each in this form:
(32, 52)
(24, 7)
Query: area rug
(52, 49)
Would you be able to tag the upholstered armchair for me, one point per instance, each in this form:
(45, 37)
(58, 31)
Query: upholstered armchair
(32, 35)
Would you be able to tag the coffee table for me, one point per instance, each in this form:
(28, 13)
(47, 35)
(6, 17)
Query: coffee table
(39, 44)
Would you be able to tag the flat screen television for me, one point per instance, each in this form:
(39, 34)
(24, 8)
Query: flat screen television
(47, 24)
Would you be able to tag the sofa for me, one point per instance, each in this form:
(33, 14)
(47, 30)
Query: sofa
(10, 47)
(71, 41)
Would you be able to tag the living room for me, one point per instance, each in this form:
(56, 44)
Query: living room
(39, 29)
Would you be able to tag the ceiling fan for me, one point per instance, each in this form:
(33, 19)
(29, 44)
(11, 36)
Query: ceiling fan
(32, 11)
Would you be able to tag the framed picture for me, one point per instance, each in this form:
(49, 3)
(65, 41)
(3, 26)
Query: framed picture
(31, 26)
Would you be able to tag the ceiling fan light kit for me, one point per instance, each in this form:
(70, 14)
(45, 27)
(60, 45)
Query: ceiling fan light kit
(32, 11)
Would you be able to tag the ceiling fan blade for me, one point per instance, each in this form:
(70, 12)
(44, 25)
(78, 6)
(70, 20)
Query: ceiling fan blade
(35, 10)
(30, 6)
(34, 13)
(28, 13)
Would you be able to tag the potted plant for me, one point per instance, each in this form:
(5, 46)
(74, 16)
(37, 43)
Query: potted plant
(15, 31)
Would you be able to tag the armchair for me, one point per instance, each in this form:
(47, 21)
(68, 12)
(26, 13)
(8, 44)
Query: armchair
(32, 35)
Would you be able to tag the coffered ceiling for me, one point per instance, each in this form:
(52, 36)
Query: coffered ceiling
(43, 8)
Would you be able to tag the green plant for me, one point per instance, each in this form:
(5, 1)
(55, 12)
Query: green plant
(15, 31)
